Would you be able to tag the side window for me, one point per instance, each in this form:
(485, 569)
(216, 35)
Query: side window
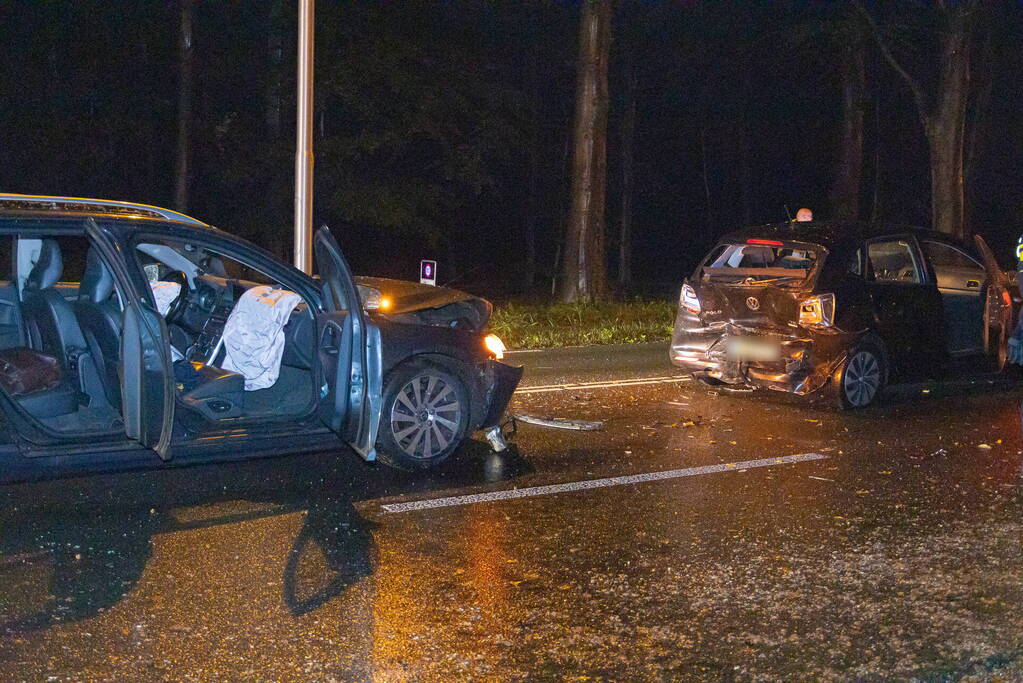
(6, 258)
(73, 251)
(946, 256)
(893, 261)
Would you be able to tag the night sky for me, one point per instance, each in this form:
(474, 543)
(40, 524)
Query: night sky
(430, 116)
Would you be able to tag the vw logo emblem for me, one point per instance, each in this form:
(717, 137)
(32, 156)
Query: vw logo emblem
(753, 303)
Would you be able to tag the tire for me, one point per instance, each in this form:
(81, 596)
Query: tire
(424, 416)
(862, 376)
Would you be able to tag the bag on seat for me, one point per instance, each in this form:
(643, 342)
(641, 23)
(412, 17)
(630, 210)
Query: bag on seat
(25, 371)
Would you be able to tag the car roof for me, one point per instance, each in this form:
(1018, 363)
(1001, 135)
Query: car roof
(106, 208)
(833, 234)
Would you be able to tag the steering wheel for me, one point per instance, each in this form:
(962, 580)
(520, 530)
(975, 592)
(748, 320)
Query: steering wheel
(177, 307)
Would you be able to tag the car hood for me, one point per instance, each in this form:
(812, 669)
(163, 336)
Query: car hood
(435, 305)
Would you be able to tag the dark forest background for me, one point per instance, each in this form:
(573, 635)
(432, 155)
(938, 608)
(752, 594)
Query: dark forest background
(443, 129)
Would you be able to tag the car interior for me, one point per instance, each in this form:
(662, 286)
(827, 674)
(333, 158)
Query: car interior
(893, 262)
(208, 296)
(60, 334)
(48, 364)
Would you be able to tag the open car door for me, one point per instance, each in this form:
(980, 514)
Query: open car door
(349, 352)
(998, 317)
(147, 389)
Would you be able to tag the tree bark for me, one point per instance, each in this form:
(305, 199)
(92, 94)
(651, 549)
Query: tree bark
(275, 53)
(943, 116)
(628, 137)
(745, 176)
(532, 185)
(584, 270)
(845, 188)
(946, 130)
(185, 77)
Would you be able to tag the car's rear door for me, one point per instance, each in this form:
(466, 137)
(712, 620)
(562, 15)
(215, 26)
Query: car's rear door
(905, 299)
(349, 352)
(147, 388)
(960, 279)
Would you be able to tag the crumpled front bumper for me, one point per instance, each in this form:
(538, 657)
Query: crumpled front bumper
(807, 361)
(500, 382)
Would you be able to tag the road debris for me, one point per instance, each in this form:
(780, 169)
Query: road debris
(561, 422)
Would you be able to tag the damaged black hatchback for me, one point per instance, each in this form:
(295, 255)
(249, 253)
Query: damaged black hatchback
(839, 308)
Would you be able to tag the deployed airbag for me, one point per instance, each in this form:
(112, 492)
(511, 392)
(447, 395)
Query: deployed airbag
(253, 336)
(165, 293)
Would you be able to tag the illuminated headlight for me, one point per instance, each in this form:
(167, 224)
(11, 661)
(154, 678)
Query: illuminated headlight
(495, 346)
(372, 299)
(688, 300)
(817, 311)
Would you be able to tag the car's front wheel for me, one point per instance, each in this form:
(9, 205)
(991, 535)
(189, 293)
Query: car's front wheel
(425, 416)
(861, 377)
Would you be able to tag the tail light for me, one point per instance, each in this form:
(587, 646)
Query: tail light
(688, 300)
(817, 311)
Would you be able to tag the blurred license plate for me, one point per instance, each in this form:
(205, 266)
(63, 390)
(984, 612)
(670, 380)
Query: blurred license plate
(753, 349)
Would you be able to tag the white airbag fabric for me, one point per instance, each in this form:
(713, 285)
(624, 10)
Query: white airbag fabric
(254, 335)
(165, 293)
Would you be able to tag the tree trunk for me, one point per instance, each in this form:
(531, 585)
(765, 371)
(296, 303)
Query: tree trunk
(845, 188)
(275, 53)
(745, 177)
(184, 151)
(628, 134)
(944, 115)
(584, 271)
(533, 95)
(946, 130)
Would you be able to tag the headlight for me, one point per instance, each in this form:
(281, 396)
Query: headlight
(817, 311)
(688, 300)
(372, 299)
(495, 346)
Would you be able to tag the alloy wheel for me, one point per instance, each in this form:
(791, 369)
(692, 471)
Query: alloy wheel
(426, 416)
(862, 379)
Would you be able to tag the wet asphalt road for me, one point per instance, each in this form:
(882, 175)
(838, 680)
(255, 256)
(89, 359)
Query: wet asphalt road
(895, 553)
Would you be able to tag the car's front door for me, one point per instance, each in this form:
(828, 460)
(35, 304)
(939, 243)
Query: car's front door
(147, 390)
(349, 352)
(906, 302)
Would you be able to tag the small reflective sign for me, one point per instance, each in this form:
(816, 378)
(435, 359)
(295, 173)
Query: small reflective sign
(428, 272)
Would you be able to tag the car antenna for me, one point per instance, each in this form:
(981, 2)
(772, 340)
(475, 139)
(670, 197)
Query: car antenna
(787, 212)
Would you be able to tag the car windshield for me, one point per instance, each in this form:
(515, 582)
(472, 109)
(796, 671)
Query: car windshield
(761, 262)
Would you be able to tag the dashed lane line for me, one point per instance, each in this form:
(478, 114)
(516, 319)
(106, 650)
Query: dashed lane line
(529, 492)
(603, 385)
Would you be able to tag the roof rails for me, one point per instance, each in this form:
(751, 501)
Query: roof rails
(31, 202)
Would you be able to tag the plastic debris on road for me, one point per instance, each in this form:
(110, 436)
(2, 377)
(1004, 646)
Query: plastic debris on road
(560, 423)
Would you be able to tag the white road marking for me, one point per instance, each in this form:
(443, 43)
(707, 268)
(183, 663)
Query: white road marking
(532, 491)
(603, 385)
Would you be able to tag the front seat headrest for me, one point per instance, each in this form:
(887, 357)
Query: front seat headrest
(97, 281)
(46, 271)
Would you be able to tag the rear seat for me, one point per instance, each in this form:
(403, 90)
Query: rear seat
(37, 382)
(52, 330)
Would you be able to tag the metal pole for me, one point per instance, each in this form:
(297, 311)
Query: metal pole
(304, 140)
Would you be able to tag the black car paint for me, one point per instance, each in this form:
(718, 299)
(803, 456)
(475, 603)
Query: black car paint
(30, 450)
(906, 318)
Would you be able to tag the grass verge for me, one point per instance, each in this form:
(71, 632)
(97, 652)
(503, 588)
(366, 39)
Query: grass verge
(537, 326)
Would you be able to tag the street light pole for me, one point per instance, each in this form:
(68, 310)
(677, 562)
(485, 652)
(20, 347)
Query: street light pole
(304, 140)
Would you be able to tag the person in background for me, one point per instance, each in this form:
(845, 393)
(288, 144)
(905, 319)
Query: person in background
(1016, 340)
(804, 215)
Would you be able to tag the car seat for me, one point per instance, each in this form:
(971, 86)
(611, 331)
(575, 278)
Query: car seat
(99, 316)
